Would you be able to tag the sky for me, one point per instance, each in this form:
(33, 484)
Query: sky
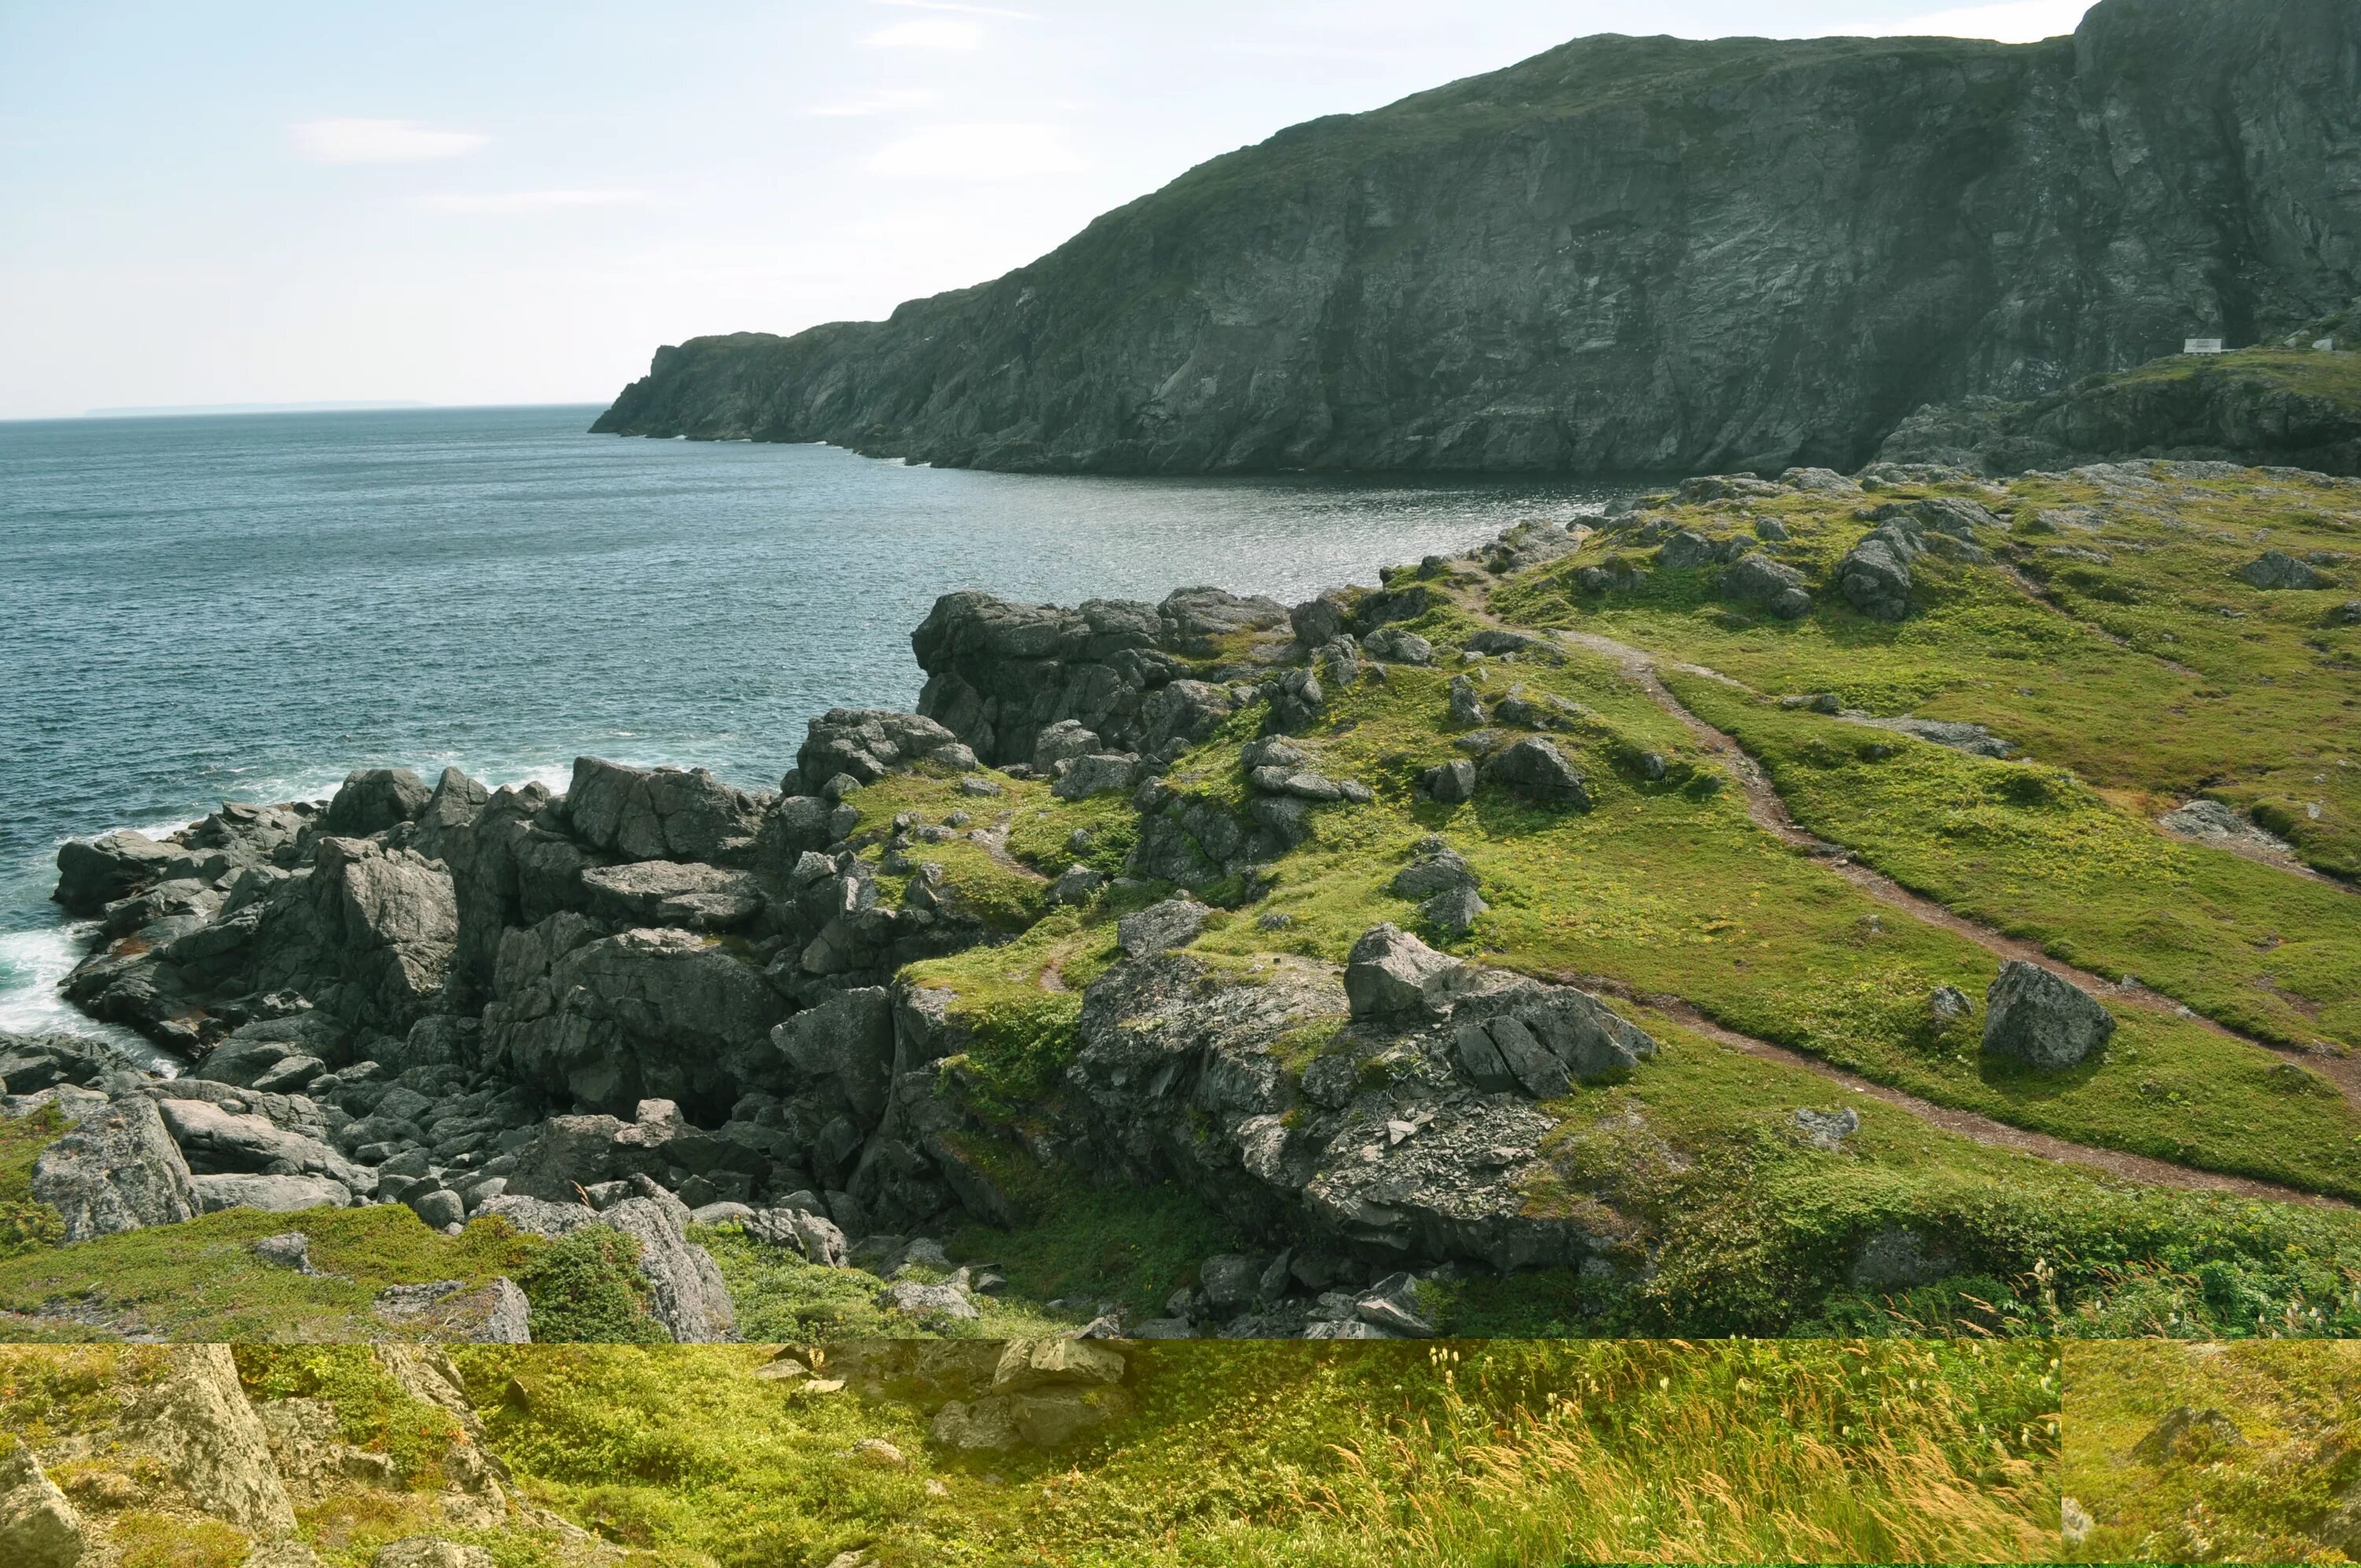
(508, 201)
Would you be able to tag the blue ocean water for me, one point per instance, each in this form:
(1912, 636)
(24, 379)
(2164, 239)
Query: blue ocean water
(200, 609)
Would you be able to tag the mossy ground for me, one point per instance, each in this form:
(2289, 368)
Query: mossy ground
(2258, 1477)
(1344, 1454)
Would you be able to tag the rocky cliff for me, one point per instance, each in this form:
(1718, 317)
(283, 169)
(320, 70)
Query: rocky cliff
(1628, 255)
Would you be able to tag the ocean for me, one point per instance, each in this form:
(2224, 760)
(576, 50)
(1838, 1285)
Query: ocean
(245, 607)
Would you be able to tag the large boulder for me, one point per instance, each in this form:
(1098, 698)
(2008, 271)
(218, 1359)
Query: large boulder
(273, 1194)
(31, 1065)
(1535, 769)
(845, 1046)
(195, 1422)
(868, 743)
(118, 1169)
(654, 813)
(673, 892)
(1393, 974)
(609, 1020)
(1173, 923)
(1874, 575)
(1757, 579)
(216, 1140)
(95, 872)
(2042, 1020)
(373, 799)
(1542, 1041)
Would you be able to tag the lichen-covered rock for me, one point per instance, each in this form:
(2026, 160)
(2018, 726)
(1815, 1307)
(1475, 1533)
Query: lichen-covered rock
(2041, 1019)
(38, 1528)
(2278, 570)
(673, 892)
(216, 1140)
(118, 1169)
(1755, 578)
(1173, 923)
(868, 744)
(1874, 575)
(196, 1423)
(1391, 973)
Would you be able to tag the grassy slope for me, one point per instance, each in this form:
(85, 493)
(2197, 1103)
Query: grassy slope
(1344, 1454)
(2263, 1496)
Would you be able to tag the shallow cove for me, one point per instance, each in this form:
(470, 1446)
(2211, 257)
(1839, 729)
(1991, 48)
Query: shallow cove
(244, 606)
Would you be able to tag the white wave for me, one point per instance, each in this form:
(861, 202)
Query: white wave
(33, 965)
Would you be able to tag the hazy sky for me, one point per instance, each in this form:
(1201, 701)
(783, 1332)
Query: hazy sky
(517, 202)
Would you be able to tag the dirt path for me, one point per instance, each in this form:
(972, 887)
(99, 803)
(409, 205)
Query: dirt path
(1986, 1130)
(1768, 812)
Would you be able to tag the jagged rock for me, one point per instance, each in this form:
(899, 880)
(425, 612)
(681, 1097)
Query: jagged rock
(1171, 924)
(1231, 1280)
(2034, 1016)
(1684, 550)
(38, 1528)
(1029, 1365)
(1101, 773)
(30, 1066)
(2278, 570)
(845, 1045)
(118, 1169)
(614, 1020)
(1466, 702)
(1067, 740)
(1392, 1305)
(1296, 700)
(1180, 713)
(1827, 1129)
(1452, 783)
(1948, 1004)
(1075, 884)
(567, 1154)
(1454, 911)
(1397, 646)
(1756, 578)
(92, 874)
(1541, 1041)
(868, 744)
(1393, 974)
(1874, 575)
(658, 814)
(1537, 769)
(374, 799)
(673, 892)
(196, 1422)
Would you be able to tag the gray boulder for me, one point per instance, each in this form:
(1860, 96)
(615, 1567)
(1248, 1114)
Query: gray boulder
(93, 874)
(2034, 1016)
(1541, 1041)
(2277, 570)
(1393, 974)
(1874, 575)
(1684, 550)
(374, 799)
(1076, 884)
(1171, 924)
(1535, 769)
(1102, 772)
(217, 1140)
(118, 1169)
(1827, 1130)
(1067, 740)
(845, 1046)
(868, 743)
(1396, 646)
(1452, 783)
(1755, 578)
(1392, 1304)
(655, 814)
(1296, 700)
(28, 1066)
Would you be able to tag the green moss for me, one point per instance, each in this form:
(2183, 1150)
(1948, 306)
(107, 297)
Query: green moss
(25, 1223)
(585, 1287)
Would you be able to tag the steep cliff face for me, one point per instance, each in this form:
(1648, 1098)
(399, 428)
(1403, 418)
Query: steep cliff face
(1626, 255)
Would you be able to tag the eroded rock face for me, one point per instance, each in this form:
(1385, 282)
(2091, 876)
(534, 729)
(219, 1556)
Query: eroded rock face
(2041, 1019)
(999, 674)
(196, 1422)
(1383, 1145)
(651, 814)
(374, 799)
(38, 1528)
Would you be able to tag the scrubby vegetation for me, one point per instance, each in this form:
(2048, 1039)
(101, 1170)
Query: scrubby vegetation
(2212, 1453)
(1340, 1455)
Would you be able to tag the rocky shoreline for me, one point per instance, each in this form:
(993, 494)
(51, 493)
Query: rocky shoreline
(656, 999)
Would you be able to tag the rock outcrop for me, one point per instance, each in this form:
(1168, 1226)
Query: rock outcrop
(2036, 1018)
(1625, 255)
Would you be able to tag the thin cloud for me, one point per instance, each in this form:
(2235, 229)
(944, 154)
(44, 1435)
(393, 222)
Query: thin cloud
(502, 202)
(379, 141)
(963, 10)
(2010, 22)
(888, 102)
(929, 32)
(974, 152)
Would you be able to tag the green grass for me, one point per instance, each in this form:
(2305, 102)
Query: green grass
(2258, 1484)
(201, 1280)
(25, 1223)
